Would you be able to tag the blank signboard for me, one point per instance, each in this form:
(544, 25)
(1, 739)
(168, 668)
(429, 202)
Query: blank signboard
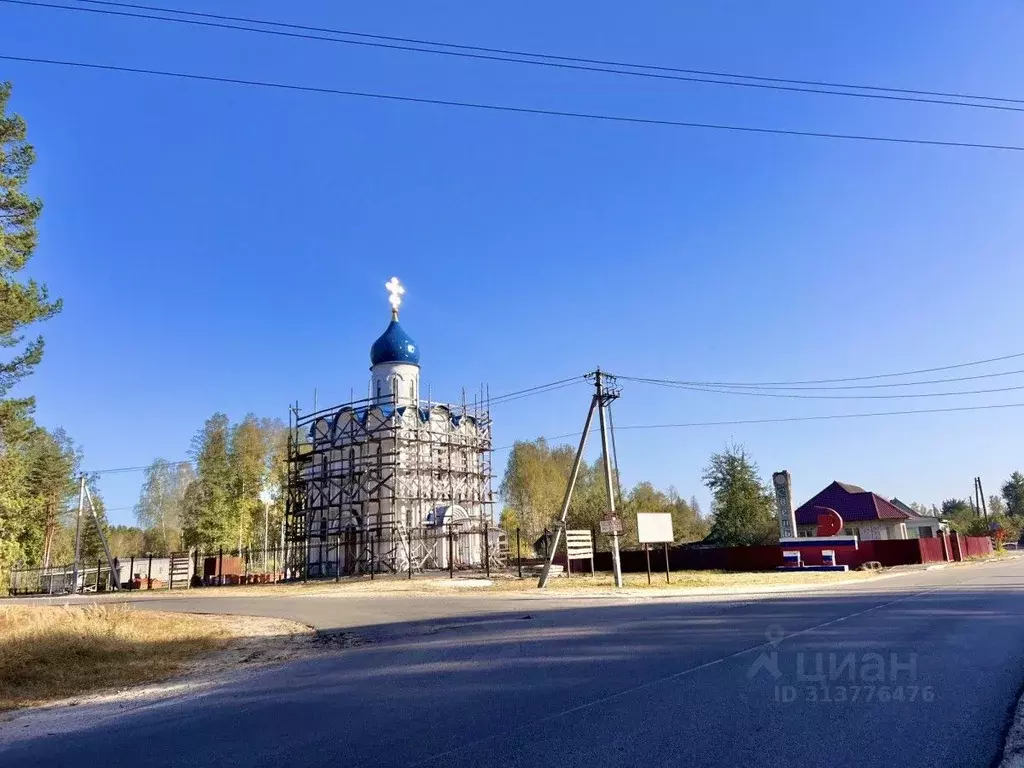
(654, 527)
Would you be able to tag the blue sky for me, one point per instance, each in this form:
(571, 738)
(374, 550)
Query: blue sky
(225, 248)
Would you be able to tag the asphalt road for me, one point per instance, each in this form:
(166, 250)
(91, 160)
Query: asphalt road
(506, 681)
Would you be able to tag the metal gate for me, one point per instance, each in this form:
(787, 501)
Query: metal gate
(180, 570)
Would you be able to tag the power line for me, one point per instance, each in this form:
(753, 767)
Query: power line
(518, 110)
(541, 60)
(790, 395)
(846, 379)
(827, 417)
(140, 468)
(540, 389)
(852, 386)
(791, 419)
(554, 57)
(570, 383)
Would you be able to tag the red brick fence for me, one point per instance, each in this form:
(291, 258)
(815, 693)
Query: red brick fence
(765, 558)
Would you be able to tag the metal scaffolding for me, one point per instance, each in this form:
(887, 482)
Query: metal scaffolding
(389, 486)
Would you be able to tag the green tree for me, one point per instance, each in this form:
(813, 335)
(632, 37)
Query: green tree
(53, 462)
(21, 302)
(742, 504)
(695, 506)
(159, 510)
(126, 541)
(996, 505)
(533, 485)
(922, 509)
(957, 508)
(1013, 494)
(276, 490)
(248, 461)
(92, 546)
(687, 525)
(962, 517)
(687, 522)
(208, 515)
(19, 534)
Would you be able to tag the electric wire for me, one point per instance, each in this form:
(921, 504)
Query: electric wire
(787, 420)
(840, 386)
(539, 389)
(791, 395)
(541, 60)
(505, 108)
(969, 364)
(550, 56)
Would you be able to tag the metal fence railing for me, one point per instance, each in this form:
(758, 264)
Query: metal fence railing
(445, 550)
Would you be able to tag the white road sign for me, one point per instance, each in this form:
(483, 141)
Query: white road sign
(654, 528)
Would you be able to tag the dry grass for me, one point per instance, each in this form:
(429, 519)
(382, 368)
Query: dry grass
(52, 652)
(686, 580)
(474, 585)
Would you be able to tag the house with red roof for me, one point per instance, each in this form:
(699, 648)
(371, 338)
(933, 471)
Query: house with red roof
(865, 514)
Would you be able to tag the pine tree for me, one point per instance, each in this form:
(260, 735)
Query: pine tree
(92, 546)
(1013, 494)
(208, 519)
(53, 463)
(21, 303)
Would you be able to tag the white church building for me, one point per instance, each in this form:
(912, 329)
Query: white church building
(392, 483)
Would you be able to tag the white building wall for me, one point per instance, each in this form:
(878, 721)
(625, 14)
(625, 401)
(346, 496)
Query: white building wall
(429, 456)
(395, 382)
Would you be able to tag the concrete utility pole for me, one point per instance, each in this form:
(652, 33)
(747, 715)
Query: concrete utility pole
(602, 396)
(560, 526)
(115, 578)
(78, 533)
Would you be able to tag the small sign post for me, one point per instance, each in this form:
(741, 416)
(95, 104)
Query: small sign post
(655, 528)
(579, 545)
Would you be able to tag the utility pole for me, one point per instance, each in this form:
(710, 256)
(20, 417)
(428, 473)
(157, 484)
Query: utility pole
(601, 397)
(78, 533)
(981, 493)
(560, 525)
(266, 532)
(115, 580)
(604, 398)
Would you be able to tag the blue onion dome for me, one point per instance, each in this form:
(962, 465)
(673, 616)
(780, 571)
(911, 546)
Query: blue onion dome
(394, 346)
